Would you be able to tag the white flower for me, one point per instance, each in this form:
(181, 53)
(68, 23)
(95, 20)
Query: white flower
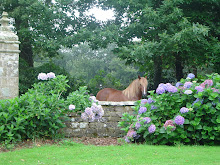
(42, 76)
(51, 75)
(188, 92)
(72, 107)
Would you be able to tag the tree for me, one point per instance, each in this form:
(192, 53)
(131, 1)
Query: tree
(43, 26)
(169, 39)
(96, 67)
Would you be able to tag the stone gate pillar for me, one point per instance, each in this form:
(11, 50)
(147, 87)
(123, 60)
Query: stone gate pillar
(9, 57)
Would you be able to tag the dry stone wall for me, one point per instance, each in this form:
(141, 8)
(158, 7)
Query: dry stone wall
(9, 57)
(106, 127)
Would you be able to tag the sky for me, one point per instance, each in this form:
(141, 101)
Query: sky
(101, 14)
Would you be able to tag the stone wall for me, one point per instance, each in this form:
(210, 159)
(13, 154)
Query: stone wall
(9, 57)
(107, 127)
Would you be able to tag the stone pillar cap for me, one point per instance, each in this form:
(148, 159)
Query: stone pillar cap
(5, 33)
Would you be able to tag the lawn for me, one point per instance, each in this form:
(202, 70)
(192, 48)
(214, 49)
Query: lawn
(74, 153)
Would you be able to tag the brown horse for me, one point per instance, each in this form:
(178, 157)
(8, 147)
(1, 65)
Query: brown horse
(132, 93)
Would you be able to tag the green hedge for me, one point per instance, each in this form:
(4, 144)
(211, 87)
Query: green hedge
(41, 111)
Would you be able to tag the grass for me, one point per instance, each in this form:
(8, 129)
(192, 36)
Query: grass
(74, 153)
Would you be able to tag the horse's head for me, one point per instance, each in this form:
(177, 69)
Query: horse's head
(143, 85)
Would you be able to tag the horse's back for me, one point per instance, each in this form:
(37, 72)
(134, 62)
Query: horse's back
(109, 94)
(103, 94)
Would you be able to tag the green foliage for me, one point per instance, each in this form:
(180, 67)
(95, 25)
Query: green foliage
(79, 98)
(40, 112)
(202, 121)
(27, 76)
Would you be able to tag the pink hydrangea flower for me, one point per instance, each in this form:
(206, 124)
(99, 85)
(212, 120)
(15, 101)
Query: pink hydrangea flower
(169, 123)
(188, 84)
(207, 83)
(199, 88)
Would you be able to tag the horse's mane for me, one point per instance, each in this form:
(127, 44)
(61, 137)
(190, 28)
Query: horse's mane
(131, 90)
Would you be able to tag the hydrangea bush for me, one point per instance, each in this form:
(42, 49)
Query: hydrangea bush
(187, 112)
(42, 111)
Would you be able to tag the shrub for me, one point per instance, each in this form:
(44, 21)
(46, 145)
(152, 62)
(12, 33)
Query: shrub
(187, 115)
(41, 111)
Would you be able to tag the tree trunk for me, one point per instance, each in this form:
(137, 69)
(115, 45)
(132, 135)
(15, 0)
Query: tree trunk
(157, 71)
(179, 67)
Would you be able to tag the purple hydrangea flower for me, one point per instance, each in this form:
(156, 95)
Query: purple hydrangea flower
(72, 107)
(184, 110)
(153, 107)
(169, 123)
(188, 84)
(150, 100)
(162, 85)
(179, 84)
(160, 90)
(207, 83)
(172, 89)
(127, 140)
(93, 99)
(199, 88)
(142, 110)
(137, 125)
(144, 101)
(146, 120)
(51, 75)
(89, 113)
(179, 120)
(84, 116)
(131, 134)
(191, 76)
(97, 110)
(188, 92)
(152, 128)
(42, 76)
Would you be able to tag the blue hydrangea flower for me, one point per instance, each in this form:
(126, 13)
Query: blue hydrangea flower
(188, 92)
(191, 76)
(160, 90)
(179, 120)
(184, 110)
(142, 110)
(137, 125)
(146, 120)
(197, 100)
(152, 128)
(188, 84)
(199, 88)
(179, 84)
